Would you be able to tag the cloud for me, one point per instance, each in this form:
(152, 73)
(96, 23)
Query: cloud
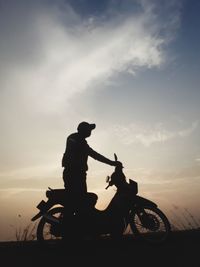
(197, 160)
(146, 135)
(57, 54)
(49, 53)
(188, 172)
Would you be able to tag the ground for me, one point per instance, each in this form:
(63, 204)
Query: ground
(182, 249)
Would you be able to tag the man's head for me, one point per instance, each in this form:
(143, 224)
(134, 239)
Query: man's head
(85, 128)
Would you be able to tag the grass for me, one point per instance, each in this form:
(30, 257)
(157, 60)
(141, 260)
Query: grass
(180, 219)
(26, 234)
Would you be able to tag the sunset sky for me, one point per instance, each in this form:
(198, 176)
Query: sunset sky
(130, 66)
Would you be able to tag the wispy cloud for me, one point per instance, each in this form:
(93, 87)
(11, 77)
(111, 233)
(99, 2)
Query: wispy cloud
(49, 53)
(72, 53)
(10, 192)
(198, 160)
(148, 135)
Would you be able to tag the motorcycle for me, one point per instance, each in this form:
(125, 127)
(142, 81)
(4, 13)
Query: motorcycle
(126, 209)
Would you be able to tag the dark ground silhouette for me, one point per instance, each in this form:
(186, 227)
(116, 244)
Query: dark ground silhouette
(182, 249)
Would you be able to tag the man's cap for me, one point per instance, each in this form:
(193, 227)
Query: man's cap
(86, 126)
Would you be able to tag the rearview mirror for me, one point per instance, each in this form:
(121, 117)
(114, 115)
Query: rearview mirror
(107, 179)
(115, 156)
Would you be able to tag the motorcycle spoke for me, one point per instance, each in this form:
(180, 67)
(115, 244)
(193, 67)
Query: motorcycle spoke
(154, 228)
(47, 231)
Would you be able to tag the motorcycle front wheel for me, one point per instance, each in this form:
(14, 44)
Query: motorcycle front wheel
(150, 224)
(49, 227)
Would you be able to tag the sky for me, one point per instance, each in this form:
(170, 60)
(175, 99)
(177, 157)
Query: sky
(131, 67)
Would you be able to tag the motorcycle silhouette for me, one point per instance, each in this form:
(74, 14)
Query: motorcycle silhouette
(126, 209)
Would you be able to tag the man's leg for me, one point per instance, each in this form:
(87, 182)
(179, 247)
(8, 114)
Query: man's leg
(69, 207)
(68, 218)
(76, 190)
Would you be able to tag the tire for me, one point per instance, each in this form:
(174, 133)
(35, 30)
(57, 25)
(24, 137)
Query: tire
(44, 229)
(157, 231)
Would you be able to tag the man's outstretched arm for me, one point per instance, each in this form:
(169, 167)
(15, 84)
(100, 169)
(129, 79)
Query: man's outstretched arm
(101, 158)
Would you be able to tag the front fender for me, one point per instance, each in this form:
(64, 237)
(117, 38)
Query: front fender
(141, 201)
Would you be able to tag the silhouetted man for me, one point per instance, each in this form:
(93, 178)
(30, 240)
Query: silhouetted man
(75, 166)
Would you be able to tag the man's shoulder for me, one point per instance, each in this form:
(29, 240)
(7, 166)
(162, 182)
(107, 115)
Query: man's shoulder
(75, 137)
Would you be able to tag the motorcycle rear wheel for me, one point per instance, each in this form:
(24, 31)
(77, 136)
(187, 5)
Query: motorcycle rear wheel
(157, 228)
(44, 229)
